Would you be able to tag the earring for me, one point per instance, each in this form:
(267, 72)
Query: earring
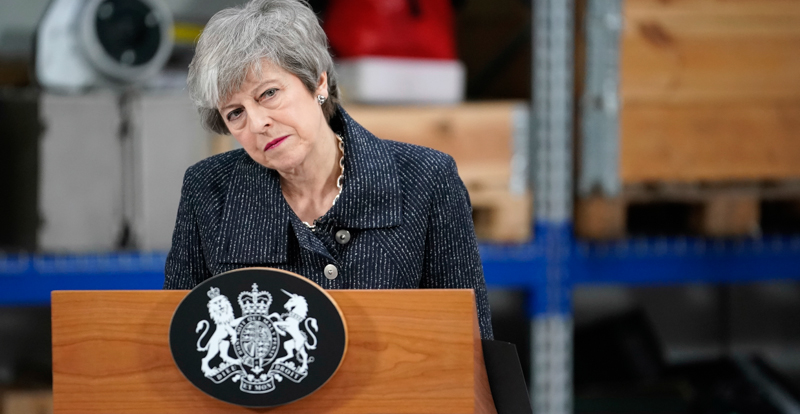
(321, 99)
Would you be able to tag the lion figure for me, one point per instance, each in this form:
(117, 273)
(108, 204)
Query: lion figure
(221, 311)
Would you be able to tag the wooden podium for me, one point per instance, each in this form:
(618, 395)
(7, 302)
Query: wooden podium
(409, 351)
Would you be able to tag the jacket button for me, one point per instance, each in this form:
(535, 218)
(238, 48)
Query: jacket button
(331, 272)
(342, 236)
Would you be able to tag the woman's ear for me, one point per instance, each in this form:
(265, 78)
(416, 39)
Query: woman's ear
(322, 85)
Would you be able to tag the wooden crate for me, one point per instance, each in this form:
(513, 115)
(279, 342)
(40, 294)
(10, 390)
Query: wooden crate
(710, 90)
(479, 136)
(709, 115)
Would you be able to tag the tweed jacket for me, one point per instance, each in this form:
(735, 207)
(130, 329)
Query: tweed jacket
(404, 206)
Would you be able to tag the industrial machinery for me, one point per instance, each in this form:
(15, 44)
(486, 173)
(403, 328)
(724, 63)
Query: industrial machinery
(87, 43)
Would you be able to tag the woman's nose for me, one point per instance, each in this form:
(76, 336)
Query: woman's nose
(260, 119)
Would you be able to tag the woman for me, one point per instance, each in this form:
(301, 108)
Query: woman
(311, 191)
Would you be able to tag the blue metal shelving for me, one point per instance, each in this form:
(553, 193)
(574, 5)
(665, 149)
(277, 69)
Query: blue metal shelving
(27, 279)
(641, 261)
(687, 260)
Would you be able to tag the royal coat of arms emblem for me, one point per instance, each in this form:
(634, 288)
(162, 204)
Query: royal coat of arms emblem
(255, 338)
(258, 337)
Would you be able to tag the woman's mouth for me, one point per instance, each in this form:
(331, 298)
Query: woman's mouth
(275, 142)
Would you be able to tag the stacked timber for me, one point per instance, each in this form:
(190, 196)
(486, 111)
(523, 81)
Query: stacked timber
(709, 118)
(480, 137)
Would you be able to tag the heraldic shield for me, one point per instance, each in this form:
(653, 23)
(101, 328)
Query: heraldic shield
(266, 354)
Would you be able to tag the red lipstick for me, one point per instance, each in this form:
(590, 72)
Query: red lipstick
(275, 142)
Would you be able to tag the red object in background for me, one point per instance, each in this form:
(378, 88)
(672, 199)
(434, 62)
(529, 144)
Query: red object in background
(396, 28)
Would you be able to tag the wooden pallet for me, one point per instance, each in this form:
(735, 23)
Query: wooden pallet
(718, 210)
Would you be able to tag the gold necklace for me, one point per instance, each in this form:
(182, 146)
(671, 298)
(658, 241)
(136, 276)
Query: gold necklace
(339, 180)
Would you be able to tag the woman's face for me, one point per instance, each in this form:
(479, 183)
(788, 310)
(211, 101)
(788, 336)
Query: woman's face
(276, 119)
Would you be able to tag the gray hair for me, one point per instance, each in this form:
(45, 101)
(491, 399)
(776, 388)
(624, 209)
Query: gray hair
(233, 44)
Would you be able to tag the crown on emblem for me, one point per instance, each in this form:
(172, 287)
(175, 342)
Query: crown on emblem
(213, 292)
(255, 302)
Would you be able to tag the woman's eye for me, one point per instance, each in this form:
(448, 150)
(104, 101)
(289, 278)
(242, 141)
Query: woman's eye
(269, 93)
(233, 115)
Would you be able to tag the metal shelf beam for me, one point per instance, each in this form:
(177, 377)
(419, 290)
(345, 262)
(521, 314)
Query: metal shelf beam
(29, 279)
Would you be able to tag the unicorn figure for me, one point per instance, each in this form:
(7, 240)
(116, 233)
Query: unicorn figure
(298, 309)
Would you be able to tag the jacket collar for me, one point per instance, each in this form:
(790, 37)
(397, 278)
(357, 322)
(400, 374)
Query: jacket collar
(256, 220)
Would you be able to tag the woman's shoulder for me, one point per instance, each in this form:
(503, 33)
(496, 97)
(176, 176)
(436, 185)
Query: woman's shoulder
(416, 159)
(216, 163)
(416, 154)
(212, 170)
